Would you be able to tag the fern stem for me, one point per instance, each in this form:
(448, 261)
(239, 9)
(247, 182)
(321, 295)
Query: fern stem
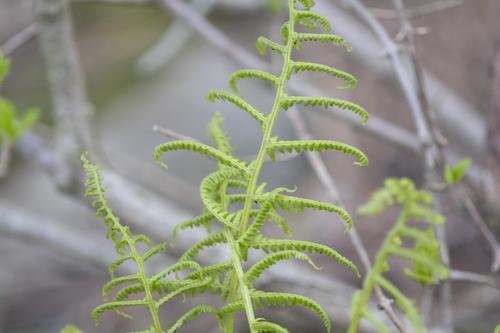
(370, 281)
(152, 306)
(270, 119)
(244, 292)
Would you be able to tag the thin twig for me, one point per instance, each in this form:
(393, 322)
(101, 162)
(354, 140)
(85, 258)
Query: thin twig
(475, 278)
(5, 153)
(417, 12)
(19, 39)
(432, 150)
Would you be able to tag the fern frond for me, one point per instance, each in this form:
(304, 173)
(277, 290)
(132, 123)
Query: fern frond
(190, 315)
(297, 204)
(265, 326)
(202, 220)
(98, 311)
(323, 38)
(404, 303)
(307, 4)
(110, 285)
(299, 66)
(316, 145)
(318, 19)
(425, 256)
(154, 250)
(264, 43)
(263, 299)
(210, 241)
(128, 291)
(191, 287)
(254, 229)
(275, 245)
(210, 185)
(199, 148)
(117, 263)
(123, 239)
(258, 268)
(219, 136)
(325, 102)
(177, 267)
(239, 102)
(250, 73)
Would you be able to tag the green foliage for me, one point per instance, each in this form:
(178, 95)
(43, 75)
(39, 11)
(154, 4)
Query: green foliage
(12, 125)
(424, 256)
(4, 67)
(454, 174)
(139, 283)
(70, 329)
(497, 329)
(237, 205)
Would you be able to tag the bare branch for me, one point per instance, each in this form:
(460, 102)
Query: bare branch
(5, 152)
(67, 84)
(19, 39)
(419, 11)
(475, 278)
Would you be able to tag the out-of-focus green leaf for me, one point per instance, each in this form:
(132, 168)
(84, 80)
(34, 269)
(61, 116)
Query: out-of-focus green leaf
(454, 174)
(70, 329)
(4, 67)
(12, 126)
(275, 6)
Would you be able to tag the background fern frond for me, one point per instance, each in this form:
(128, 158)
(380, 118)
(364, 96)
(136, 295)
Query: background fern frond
(425, 257)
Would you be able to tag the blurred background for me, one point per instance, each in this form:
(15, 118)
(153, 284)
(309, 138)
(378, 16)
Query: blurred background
(102, 74)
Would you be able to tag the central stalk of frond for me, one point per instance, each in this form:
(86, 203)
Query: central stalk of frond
(259, 162)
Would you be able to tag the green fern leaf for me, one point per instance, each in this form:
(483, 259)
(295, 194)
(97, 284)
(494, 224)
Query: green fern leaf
(289, 203)
(190, 315)
(323, 38)
(69, 328)
(210, 241)
(265, 326)
(264, 43)
(325, 102)
(318, 19)
(250, 73)
(98, 311)
(198, 221)
(316, 145)
(239, 102)
(258, 268)
(219, 136)
(198, 148)
(299, 66)
(275, 245)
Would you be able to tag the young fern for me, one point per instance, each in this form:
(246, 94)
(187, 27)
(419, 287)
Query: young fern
(236, 181)
(140, 283)
(425, 258)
